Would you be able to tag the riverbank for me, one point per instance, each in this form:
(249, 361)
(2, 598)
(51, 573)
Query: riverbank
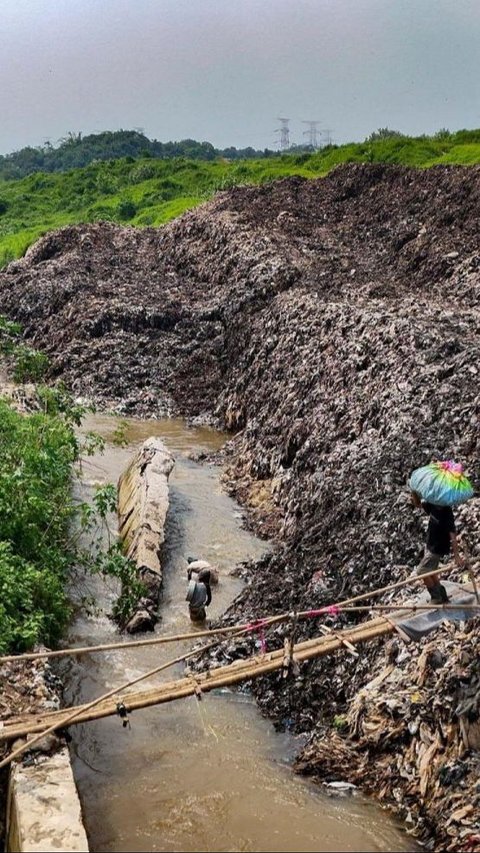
(333, 326)
(26, 687)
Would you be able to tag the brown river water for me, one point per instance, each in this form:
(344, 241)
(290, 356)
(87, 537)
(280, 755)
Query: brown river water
(195, 776)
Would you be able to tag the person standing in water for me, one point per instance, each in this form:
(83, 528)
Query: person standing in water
(199, 593)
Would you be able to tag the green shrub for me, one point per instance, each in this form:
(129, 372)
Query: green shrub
(126, 209)
(40, 523)
(142, 172)
(105, 183)
(340, 722)
(36, 512)
(32, 603)
(30, 364)
(9, 333)
(6, 256)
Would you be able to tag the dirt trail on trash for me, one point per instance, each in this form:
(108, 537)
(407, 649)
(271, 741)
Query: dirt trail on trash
(333, 326)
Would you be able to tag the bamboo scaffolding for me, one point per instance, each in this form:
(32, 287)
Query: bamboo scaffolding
(72, 713)
(407, 609)
(106, 704)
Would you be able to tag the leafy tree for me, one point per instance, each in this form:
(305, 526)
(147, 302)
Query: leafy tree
(30, 364)
(443, 133)
(75, 151)
(384, 133)
(41, 523)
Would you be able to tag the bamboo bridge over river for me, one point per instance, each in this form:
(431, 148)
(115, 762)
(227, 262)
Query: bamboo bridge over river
(401, 618)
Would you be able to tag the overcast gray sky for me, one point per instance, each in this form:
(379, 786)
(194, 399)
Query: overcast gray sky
(224, 70)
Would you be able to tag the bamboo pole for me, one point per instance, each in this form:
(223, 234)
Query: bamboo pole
(170, 638)
(338, 637)
(187, 686)
(71, 716)
(470, 573)
(152, 641)
(408, 607)
(406, 582)
(473, 582)
(11, 730)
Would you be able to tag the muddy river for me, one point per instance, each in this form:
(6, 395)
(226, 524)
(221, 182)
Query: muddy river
(195, 776)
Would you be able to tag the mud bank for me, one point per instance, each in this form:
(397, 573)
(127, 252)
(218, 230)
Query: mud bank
(333, 325)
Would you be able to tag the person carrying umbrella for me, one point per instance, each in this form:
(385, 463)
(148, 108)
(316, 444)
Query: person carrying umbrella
(436, 488)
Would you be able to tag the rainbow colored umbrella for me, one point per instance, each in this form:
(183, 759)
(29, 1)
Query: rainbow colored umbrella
(442, 483)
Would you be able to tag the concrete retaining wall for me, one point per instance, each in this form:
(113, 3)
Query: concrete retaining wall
(43, 809)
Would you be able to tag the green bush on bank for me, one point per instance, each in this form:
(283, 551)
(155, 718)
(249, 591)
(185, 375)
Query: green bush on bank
(40, 521)
(36, 458)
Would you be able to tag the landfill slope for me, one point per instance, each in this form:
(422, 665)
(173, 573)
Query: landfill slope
(333, 326)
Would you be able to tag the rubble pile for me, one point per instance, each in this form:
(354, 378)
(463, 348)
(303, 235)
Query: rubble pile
(333, 327)
(412, 737)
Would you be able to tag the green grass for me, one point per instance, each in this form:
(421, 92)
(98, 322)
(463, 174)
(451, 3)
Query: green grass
(150, 191)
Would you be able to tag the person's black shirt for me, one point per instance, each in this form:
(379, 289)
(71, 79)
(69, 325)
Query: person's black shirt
(440, 524)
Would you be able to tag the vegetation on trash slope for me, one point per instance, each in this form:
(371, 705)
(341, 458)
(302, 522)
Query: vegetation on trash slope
(148, 191)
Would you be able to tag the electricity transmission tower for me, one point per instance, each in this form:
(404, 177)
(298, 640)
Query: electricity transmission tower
(312, 133)
(328, 136)
(284, 132)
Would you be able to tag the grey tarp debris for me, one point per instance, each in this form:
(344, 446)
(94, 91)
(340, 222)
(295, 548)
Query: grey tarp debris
(421, 624)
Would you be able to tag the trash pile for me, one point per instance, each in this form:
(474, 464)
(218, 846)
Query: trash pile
(26, 687)
(411, 736)
(333, 326)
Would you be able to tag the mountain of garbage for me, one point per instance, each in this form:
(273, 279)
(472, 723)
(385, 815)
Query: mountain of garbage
(333, 326)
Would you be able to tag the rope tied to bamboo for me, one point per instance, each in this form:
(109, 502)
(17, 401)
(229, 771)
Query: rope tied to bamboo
(253, 625)
(333, 609)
